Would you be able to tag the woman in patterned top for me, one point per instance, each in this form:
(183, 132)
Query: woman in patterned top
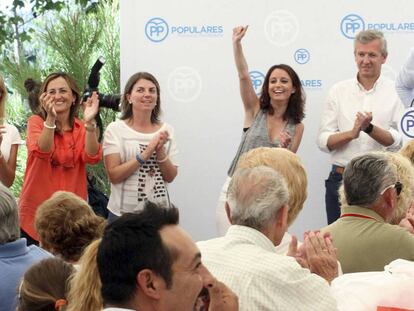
(139, 150)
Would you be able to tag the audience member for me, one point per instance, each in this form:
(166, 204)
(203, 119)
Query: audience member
(9, 142)
(363, 235)
(272, 120)
(45, 285)
(59, 147)
(291, 168)
(85, 284)
(139, 150)
(404, 83)
(147, 262)
(15, 256)
(245, 258)
(360, 115)
(66, 225)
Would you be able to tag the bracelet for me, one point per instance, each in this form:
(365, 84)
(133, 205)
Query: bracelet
(139, 159)
(48, 126)
(369, 128)
(90, 127)
(163, 160)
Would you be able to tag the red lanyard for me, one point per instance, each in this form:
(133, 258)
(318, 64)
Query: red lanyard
(357, 215)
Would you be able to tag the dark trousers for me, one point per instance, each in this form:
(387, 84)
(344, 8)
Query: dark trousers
(333, 210)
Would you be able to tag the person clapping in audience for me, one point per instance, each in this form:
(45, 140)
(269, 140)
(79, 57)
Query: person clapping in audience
(59, 147)
(139, 150)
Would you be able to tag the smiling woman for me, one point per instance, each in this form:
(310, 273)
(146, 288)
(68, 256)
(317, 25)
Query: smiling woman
(139, 150)
(59, 147)
(272, 120)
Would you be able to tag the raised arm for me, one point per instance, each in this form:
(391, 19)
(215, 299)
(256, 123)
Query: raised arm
(91, 107)
(248, 95)
(8, 168)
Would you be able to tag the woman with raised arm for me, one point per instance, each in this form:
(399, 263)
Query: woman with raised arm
(9, 142)
(59, 146)
(272, 120)
(139, 150)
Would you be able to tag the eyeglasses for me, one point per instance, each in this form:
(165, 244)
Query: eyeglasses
(398, 188)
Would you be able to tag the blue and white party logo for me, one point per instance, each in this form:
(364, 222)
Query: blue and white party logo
(257, 80)
(351, 24)
(156, 29)
(407, 123)
(302, 56)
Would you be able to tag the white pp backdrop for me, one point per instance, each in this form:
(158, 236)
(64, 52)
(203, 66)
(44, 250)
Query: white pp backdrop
(187, 45)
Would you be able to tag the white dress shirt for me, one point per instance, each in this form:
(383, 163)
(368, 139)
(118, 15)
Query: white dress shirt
(246, 261)
(348, 97)
(404, 83)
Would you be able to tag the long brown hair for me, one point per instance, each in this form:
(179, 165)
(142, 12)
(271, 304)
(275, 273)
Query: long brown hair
(295, 108)
(44, 284)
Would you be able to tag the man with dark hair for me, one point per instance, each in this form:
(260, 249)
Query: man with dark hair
(15, 256)
(147, 262)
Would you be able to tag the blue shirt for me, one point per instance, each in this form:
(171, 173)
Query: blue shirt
(15, 258)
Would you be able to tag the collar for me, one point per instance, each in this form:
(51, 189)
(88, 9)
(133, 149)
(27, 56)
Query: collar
(355, 209)
(362, 89)
(250, 235)
(14, 249)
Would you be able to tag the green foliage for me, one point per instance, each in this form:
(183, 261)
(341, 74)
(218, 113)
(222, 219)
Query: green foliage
(69, 40)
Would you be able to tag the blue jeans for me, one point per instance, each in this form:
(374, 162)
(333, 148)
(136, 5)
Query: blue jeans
(332, 184)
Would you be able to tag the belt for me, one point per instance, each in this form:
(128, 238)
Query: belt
(338, 169)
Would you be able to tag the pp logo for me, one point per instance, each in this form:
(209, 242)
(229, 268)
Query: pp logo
(281, 28)
(407, 123)
(257, 80)
(351, 25)
(156, 29)
(302, 56)
(184, 84)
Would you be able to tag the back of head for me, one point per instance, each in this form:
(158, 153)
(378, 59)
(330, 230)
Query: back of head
(45, 285)
(289, 165)
(405, 174)
(33, 92)
(85, 284)
(255, 195)
(367, 36)
(130, 244)
(9, 217)
(366, 176)
(66, 224)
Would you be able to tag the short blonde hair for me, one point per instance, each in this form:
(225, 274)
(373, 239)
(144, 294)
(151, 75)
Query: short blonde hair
(289, 165)
(66, 224)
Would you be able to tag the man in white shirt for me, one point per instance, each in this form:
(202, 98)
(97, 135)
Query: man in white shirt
(404, 83)
(361, 114)
(245, 258)
(146, 262)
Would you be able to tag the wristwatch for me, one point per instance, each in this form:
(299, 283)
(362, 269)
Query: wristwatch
(369, 128)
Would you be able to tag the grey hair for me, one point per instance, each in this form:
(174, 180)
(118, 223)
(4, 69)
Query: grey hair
(366, 176)
(9, 216)
(255, 195)
(366, 36)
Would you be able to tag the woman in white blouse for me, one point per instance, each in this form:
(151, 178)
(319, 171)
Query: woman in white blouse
(9, 143)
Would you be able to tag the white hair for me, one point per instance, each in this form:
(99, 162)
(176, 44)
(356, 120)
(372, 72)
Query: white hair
(255, 195)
